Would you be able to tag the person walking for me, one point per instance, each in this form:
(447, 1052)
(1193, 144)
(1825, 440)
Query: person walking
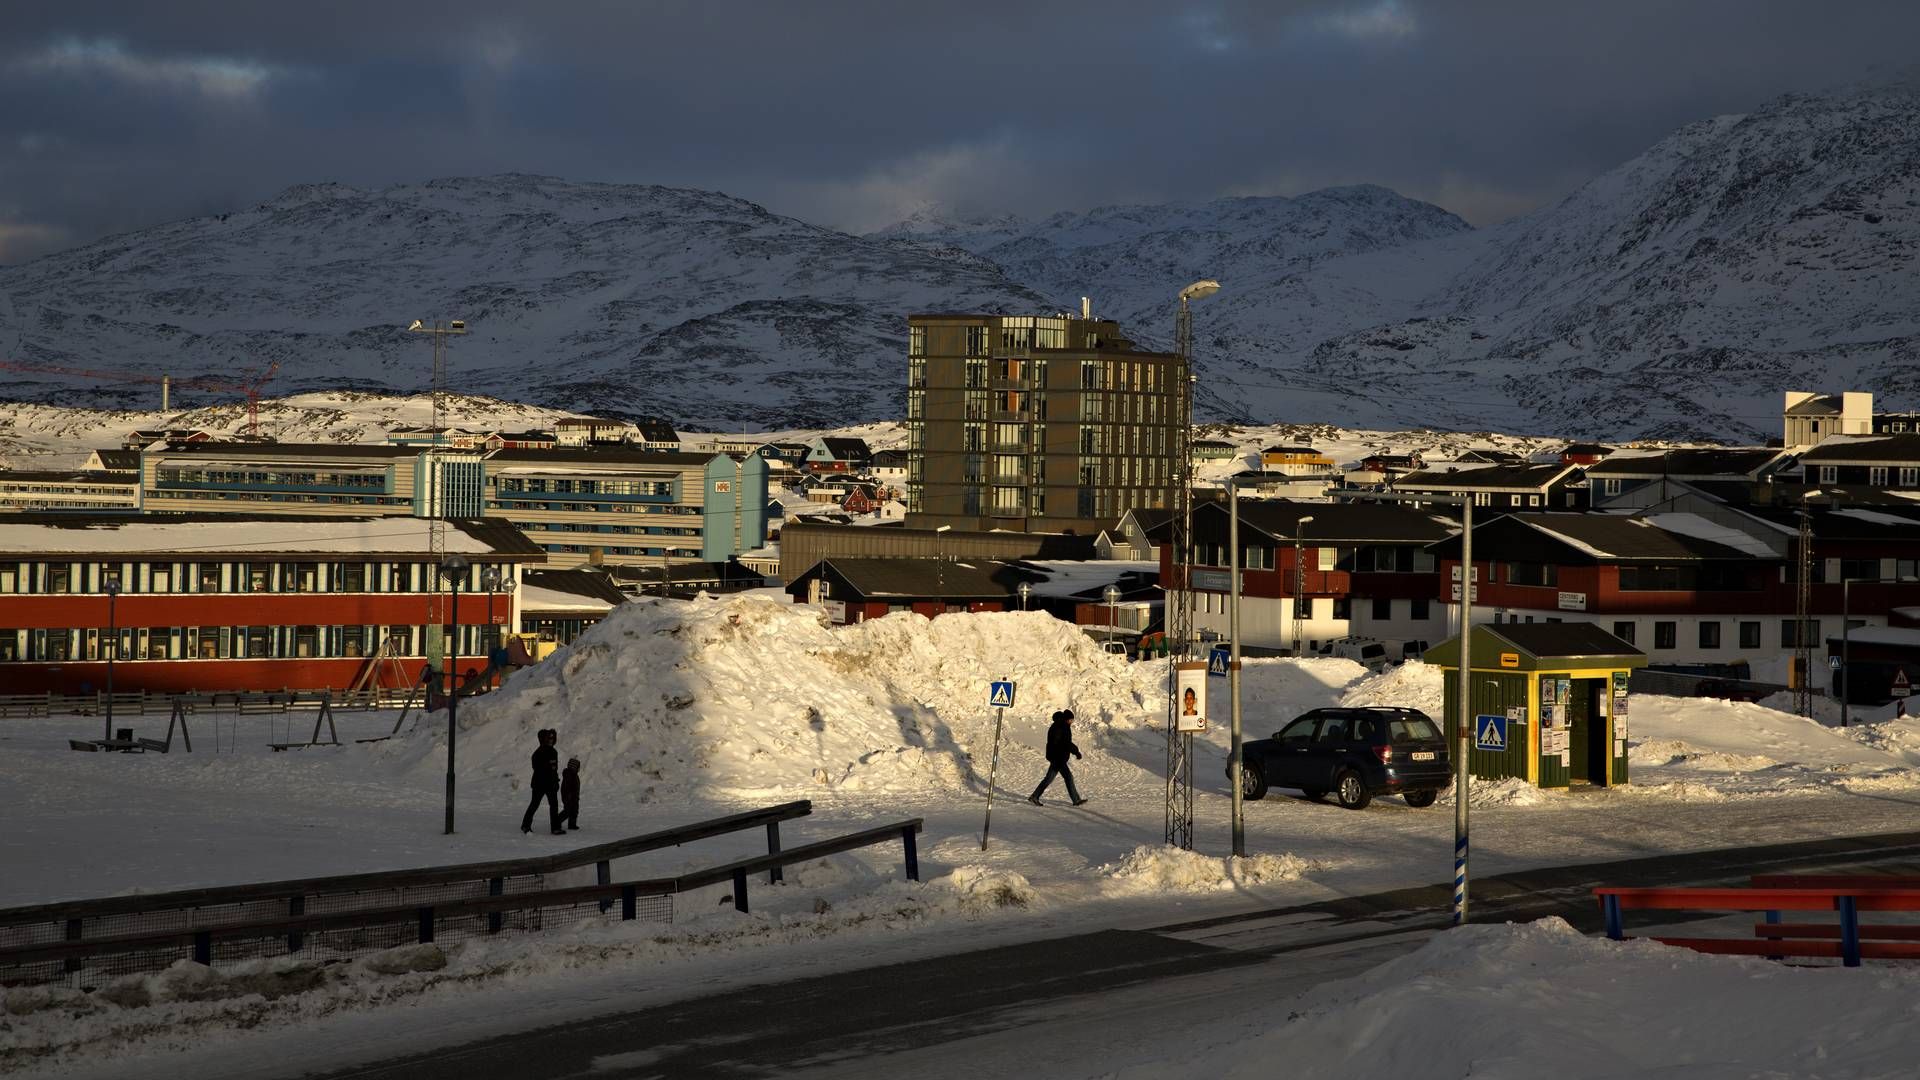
(546, 782)
(1059, 747)
(570, 794)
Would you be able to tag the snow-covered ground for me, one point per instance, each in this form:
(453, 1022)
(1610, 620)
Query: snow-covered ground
(685, 710)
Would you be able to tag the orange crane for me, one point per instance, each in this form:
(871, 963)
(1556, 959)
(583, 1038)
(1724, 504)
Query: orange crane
(249, 388)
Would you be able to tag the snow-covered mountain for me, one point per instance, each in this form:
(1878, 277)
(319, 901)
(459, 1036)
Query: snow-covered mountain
(601, 297)
(1674, 296)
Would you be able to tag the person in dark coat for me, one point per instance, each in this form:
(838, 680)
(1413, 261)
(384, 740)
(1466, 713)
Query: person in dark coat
(570, 794)
(1059, 748)
(546, 782)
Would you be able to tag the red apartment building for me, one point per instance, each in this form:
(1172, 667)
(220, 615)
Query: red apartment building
(219, 602)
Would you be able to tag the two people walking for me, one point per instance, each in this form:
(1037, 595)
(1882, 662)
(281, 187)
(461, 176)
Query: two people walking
(1060, 747)
(560, 790)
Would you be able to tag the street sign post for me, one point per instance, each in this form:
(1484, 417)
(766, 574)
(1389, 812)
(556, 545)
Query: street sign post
(1901, 687)
(999, 699)
(1490, 732)
(1219, 659)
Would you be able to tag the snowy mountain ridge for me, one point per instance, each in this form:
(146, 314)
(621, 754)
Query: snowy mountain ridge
(1672, 297)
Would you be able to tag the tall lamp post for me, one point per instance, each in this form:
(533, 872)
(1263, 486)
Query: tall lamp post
(940, 564)
(490, 579)
(454, 568)
(1026, 593)
(113, 644)
(1112, 595)
(1846, 651)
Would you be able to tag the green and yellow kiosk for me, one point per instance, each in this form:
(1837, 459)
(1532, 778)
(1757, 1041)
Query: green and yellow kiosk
(1549, 702)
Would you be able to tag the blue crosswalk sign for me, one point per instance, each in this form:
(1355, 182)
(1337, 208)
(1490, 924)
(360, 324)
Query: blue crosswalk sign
(1218, 659)
(1000, 695)
(1490, 732)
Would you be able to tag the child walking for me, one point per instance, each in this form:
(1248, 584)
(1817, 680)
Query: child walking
(570, 794)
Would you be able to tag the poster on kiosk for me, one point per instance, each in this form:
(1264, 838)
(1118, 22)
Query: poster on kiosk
(1190, 697)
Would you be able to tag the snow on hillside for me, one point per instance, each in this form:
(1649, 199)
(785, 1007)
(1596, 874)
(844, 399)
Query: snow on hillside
(51, 436)
(744, 696)
(597, 297)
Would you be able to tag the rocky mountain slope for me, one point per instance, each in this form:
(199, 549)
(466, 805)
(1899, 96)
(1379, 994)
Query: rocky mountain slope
(1674, 296)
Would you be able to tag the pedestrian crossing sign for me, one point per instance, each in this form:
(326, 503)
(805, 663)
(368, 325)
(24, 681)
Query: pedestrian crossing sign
(1000, 695)
(1218, 659)
(1490, 732)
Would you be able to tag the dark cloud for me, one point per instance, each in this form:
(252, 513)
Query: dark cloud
(118, 115)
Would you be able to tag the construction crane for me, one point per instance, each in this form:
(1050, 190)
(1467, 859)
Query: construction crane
(250, 388)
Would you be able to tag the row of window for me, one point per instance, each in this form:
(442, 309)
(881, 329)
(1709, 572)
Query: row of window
(1364, 559)
(282, 497)
(1666, 633)
(1876, 475)
(524, 506)
(178, 474)
(585, 486)
(231, 642)
(1381, 607)
(234, 577)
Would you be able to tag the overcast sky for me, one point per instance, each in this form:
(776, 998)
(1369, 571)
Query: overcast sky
(852, 114)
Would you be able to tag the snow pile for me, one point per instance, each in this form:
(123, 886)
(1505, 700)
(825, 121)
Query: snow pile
(1413, 685)
(1512, 791)
(180, 1007)
(1154, 869)
(1521, 1000)
(742, 696)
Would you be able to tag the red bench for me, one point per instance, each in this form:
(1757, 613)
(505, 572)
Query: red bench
(1848, 895)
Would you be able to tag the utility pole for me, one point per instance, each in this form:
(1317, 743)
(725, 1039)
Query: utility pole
(436, 472)
(1237, 763)
(1179, 617)
(1802, 616)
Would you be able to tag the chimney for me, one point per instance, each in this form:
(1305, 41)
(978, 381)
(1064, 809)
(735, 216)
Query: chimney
(1086, 307)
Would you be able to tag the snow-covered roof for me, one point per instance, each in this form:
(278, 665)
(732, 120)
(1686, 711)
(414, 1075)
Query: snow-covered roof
(1702, 528)
(209, 534)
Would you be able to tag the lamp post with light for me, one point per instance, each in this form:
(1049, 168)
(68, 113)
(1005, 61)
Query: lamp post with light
(454, 569)
(1026, 593)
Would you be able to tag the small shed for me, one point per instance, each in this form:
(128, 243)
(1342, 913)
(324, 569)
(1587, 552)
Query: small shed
(1549, 701)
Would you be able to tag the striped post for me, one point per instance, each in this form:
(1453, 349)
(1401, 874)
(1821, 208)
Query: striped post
(1460, 879)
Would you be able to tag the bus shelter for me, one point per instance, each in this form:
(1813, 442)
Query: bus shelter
(1549, 702)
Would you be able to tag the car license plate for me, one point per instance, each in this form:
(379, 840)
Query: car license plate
(1423, 755)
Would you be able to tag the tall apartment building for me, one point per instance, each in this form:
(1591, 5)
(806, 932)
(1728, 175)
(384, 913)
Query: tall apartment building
(1037, 424)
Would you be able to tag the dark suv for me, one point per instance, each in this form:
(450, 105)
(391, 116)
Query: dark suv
(1354, 753)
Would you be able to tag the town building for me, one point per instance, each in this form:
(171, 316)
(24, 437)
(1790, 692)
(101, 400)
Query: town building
(580, 504)
(1856, 468)
(889, 469)
(1583, 453)
(34, 491)
(452, 438)
(1363, 569)
(1213, 450)
(522, 440)
(145, 437)
(581, 430)
(854, 589)
(1732, 474)
(1038, 424)
(557, 606)
(835, 454)
(240, 601)
(1504, 487)
(1808, 419)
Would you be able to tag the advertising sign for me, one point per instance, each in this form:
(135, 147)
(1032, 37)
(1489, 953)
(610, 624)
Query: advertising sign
(1190, 697)
(1573, 601)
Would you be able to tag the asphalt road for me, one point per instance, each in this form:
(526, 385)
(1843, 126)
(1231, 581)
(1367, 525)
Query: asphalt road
(984, 1005)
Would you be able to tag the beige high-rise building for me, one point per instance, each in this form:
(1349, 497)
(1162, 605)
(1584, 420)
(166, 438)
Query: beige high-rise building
(1038, 424)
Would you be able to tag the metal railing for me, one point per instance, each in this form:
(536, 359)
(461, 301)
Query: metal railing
(350, 913)
(145, 703)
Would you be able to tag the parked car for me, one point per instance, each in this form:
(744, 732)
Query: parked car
(1355, 753)
(1368, 652)
(1413, 650)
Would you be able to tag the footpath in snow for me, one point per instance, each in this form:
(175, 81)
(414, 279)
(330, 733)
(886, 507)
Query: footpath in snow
(681, 711)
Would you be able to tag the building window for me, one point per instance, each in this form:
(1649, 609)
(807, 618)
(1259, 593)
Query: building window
(1877, 475)
(1537, 574)
(1829, 474)
(1610, 486)
(1419, 609)
(1482, 498)
(1533, 500)
(1709, 634)
(1665, 635)
(1749, 635)
(1909, 476)
(1624, 631)
(1791, 640)
(1859, 569)
(1382, 608)
(1342, 607)
(916, 341)
(59, 578)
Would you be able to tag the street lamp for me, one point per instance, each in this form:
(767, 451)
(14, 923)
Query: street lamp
(940, 565)
(490, 578)
(1846, 650)
(113, 644)
(1026, 591)
(1112, 594)
(454, 569)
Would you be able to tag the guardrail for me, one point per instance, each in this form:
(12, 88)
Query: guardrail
(145, 931)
